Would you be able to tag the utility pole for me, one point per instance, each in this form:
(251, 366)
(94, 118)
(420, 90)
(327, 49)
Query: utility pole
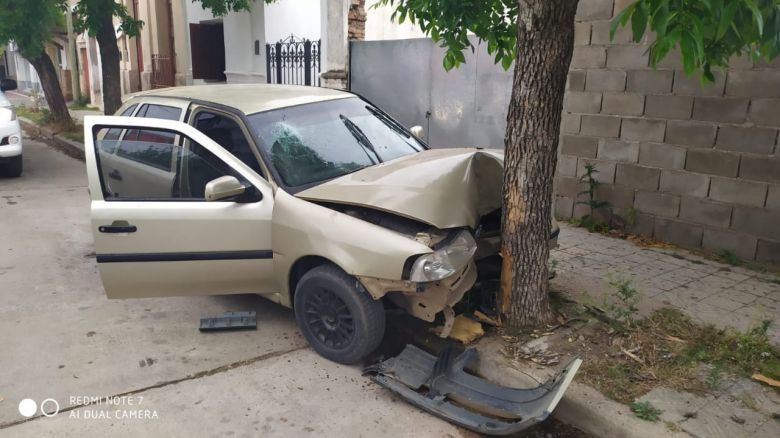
(75, 81)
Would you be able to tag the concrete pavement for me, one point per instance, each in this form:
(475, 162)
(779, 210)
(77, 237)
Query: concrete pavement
(61, 338)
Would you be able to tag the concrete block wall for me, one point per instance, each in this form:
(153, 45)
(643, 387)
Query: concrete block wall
(698, 167)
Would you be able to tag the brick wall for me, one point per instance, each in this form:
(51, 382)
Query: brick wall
(700, 167)
(356, 20)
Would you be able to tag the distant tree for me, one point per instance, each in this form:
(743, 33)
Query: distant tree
(96, 17)
(29, 23)
(538, 36)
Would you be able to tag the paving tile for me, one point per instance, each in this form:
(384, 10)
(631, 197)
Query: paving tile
(723, 302)
(732, 275)
(675, 406)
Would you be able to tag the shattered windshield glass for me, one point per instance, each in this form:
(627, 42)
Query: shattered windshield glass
(320, 141)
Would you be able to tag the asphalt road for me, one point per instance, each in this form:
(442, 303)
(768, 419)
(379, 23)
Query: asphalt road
(62, 339)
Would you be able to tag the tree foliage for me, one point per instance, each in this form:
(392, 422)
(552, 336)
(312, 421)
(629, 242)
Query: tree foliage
(88, 15)
(29, 23)
(707, 32)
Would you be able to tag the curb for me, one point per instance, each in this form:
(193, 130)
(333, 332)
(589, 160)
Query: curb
(582, 406)
(69, 147)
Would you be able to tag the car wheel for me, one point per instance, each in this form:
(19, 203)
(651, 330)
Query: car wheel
(14, 167)
(337, 315)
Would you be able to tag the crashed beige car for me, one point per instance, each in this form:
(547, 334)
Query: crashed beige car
(313, 198)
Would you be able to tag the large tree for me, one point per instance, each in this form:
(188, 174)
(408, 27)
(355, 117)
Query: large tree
(29, 24)
(537, 35)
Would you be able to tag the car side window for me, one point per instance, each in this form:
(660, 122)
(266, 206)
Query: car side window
(114, 133)
(155, 169)
(226, 132)
(154, 111)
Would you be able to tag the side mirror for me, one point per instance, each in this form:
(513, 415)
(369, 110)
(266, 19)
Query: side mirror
(226, 187)
(417, 131)
(7, 84)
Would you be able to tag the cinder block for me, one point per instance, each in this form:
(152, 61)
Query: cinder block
(737, 191)
(743, 245)
(765, 111)
(617, 150)
(691, 85)
(684, 183)
(760, 169)
(643, 130)
(588, 10)
(589, 57)
(581, 33)
(563, 208)
(753, 83)
(575, 81)
(661, 155)
(691, 134)
(746, 139)
(568, 187)
(679, 233)
(617, 196)
(621, 5)
(720, 109)
(605, 170)
(582, 102)
(570, 123)
(579, 145)
(705, 212)
(601, 126)
(567, 165)
(768, 251)
(672, 60)
(756, 221)
(669, 107)
(600, 34)
(637, 177)
(712, 162)
(629, 56)
(773, 197)
(649, 81)
(740, 62)
(623, 104)
(643, 225)
(605, 80)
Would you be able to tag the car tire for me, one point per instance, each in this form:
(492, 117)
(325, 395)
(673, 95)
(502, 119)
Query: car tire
(13, 167)
(337, 316)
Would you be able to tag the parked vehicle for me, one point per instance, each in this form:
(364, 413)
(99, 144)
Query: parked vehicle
(313, 198)
(10, 134)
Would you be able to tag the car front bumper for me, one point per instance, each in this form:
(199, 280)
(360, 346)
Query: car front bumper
(10, 139)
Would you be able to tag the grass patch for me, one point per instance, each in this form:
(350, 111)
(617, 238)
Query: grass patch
(669, 348)
(646, 411)
(39, 117)
(76, 134)
(82, 106)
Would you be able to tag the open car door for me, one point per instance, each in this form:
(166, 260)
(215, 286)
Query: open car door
(155, 232)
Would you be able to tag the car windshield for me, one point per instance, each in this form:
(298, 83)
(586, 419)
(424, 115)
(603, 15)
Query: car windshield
(320, 141)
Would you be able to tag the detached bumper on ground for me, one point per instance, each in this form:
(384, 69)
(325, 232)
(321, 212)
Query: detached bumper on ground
(442, 386)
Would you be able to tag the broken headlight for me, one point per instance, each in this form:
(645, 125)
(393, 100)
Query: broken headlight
(445, 261)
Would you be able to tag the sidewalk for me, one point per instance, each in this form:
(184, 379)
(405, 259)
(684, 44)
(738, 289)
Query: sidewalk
(708, 291)
(17, 99)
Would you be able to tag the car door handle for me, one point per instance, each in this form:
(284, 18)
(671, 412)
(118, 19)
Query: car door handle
(118, 228)
(114, 174)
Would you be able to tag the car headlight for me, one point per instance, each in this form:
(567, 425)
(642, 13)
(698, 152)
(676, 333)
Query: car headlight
(445, 261)
(7, 114)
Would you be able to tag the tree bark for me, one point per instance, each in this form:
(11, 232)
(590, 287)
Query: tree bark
(109, 60)
(545, 40)
(58, 109)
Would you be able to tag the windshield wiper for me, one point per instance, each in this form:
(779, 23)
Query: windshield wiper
(361, 137)
(392, 124)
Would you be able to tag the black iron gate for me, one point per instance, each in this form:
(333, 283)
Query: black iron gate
(293, 61)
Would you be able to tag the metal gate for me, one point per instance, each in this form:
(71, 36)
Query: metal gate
(294, 61)
(162, 71)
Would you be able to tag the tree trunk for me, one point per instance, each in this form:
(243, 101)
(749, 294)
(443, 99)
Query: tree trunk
(545, 40)
(109, 60)
(51, 89)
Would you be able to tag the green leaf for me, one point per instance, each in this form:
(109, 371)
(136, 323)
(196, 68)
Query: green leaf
(639, 23)
(757, 15)
(621, 19)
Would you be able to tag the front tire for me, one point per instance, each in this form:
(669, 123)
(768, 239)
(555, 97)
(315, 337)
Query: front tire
(337, 316)
(13, 167)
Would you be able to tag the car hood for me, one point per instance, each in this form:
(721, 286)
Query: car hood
(445, 188)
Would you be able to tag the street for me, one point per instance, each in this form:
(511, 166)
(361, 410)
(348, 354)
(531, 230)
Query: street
(62, 339)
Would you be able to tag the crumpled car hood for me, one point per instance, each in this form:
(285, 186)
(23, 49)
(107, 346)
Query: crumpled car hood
(445, 188)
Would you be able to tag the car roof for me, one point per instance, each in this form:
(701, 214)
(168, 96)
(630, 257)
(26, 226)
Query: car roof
(248, 98)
